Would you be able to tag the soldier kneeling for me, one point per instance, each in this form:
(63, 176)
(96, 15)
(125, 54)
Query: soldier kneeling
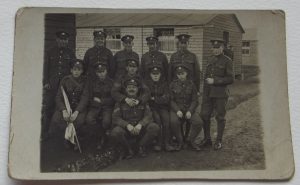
(133, 122)
(184, 101)
(76, 90)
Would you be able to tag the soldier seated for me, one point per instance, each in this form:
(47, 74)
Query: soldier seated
(76, 90)
(133, 122)
(184, 101)
(159, 104)
(100, 104)
(118, 91)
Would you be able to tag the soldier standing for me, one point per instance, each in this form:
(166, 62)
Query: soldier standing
(76, 88)
(101, 103)
(153, 57)
(98, 53)
(122, 56)
(57, 65)
(184, 100)
(133, 122)
(159, 104)
(215, 93)
(189, 59)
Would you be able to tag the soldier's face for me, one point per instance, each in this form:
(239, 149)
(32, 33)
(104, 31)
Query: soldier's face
(76, 72)
(132, 90)
(217, 51)
(101, 74)
(132, 70)
(182, 45)
(182, 75)
(99, 41)
(128, 45)
(152, 46)
(155, 77)
(62, 43)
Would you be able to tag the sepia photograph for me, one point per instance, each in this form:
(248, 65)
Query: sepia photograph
(153, 91)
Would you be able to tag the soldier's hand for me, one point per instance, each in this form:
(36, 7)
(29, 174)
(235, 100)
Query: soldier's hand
(47, 86)
(66, 115)
(74, 116)
(130, 128)
(210, 81)
(129, 101)
(179, 114)
(152, 98)
(138, 128)
(96, 99)
(188, 115)
(135, 102)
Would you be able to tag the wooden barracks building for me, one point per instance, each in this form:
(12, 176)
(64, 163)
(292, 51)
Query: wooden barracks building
(202, 28)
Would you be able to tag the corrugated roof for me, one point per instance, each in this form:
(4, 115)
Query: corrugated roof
(147, 19)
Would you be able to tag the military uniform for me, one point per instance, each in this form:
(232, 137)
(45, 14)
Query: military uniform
(118, 89)
(153, 58)
(187, 58)
(100, 89)
(57, 65)
(121, 57)
(141, 114)
(215, 95)
(159, 104)
(98, 54)
(77, 91)
(184, 98)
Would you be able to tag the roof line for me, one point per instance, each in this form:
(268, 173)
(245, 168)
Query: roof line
(140, 26)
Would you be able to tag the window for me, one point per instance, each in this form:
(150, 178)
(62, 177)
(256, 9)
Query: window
(166, 39)
(113, 39)
(246, 48)
(226, 37)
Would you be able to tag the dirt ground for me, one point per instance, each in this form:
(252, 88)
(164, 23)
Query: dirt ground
(242, 143)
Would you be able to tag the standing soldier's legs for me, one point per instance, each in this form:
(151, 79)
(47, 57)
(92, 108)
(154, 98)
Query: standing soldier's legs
(175, 125)
(165, 119)
(220, 117)
(105, 126)
(206, 111)
(158, 121)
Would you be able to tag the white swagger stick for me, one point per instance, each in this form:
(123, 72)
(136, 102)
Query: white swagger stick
(70, 132)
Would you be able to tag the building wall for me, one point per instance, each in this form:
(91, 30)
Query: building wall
(215, 30)
(251, 59)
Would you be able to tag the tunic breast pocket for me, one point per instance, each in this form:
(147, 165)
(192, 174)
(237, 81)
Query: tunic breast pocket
(188, 90)
(220, 70)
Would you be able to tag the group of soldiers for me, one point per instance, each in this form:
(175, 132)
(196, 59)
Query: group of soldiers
(135, 103)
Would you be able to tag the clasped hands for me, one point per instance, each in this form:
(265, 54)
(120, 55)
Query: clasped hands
(188, 114)
(134, 130)
(132, 102)
(70, 117)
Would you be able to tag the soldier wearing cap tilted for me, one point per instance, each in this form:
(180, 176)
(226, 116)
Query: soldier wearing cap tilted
(57, 64)
(133, 122)
(122, 56)
(118, 89)
(76, 89)
(100, 103)
(215, 93)
(98, 53)
(159, 104)
(184, 100)
(184, 56)
(153, 57)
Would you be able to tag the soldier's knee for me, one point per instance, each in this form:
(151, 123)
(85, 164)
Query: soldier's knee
(117, 132)
(153, 128)
(220, 119)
